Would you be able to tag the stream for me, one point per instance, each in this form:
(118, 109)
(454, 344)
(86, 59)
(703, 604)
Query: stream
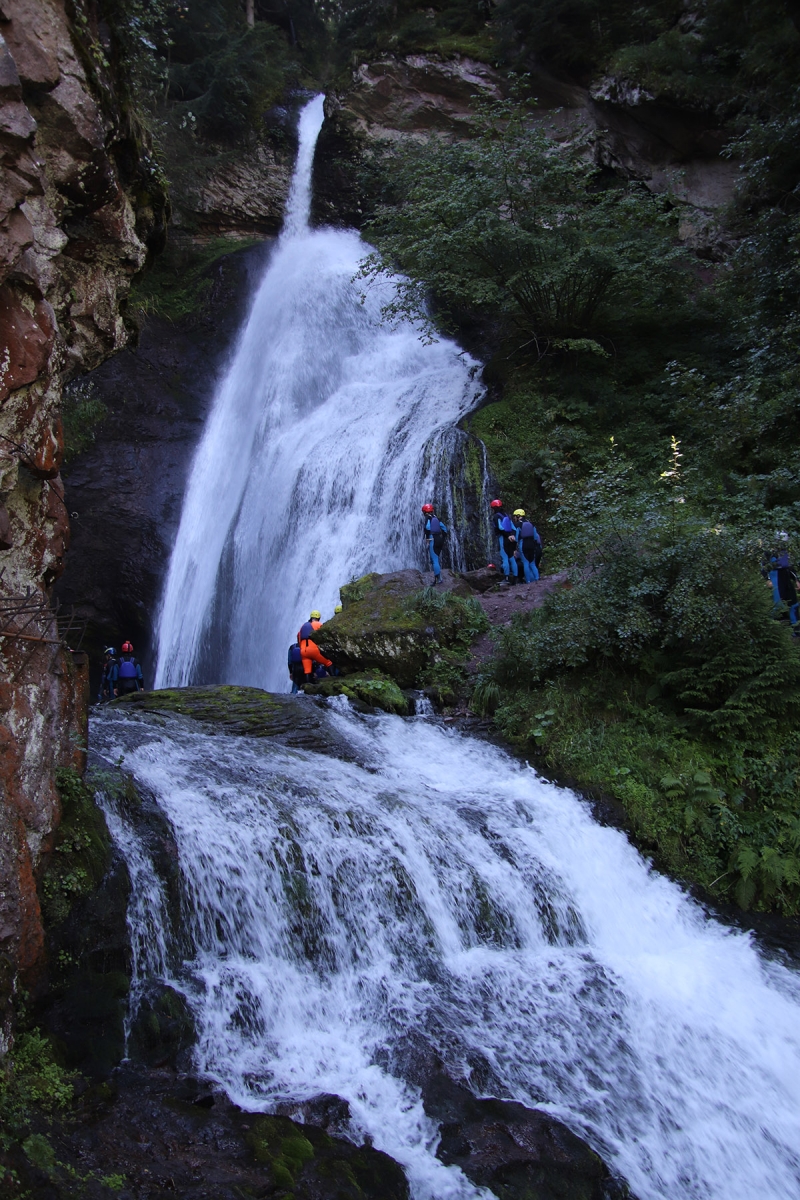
(339, 921)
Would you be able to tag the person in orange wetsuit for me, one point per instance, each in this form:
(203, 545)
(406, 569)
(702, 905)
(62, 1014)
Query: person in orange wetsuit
(309, 650)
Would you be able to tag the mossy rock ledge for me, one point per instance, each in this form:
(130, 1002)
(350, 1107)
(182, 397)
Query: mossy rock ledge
(290, 720)
(379, 630)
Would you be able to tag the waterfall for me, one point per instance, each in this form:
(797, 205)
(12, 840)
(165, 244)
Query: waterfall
(326, 434)
(337, 916)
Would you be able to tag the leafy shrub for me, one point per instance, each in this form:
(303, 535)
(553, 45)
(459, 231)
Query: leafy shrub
(511, 226)
(31, 1082)
(82, 413)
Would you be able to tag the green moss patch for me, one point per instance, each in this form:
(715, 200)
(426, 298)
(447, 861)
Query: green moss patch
(393, 625)
(251, 712)
(81, 853)
(305, 1161)
(370, 687)
(241, 709)
(179, 280)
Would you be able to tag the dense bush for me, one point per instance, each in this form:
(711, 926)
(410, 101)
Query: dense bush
(514, 228)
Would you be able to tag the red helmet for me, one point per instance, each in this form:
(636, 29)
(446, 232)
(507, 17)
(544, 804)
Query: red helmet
(426, 508)
(127, 648)
(496, 504)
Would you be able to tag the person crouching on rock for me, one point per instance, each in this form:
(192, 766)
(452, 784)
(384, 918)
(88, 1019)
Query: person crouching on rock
(310, 652)
(296, 669)
(434, 535)
(530, 545)
(128, 673)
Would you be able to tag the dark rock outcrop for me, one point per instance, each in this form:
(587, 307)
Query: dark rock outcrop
(517, 1152)
(672, 149)
(80, 204)
(149, 1134)
(126, 491)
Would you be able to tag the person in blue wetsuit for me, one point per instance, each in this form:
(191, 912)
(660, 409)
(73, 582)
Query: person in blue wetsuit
(530, 545)
(506, 539)
(127, 676)
(435, 531)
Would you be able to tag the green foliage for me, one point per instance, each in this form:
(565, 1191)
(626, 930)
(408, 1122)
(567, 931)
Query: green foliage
(445, 27)
(82, 413)
(464, 619)
(223, 74)
(513, 228)
(81, 851)
(178, 281)
(661, 677)
(357, 589)
(32, 1084)
(580, 35)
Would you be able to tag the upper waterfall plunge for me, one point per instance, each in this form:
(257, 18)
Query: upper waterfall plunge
(327, 431)
(337, 920)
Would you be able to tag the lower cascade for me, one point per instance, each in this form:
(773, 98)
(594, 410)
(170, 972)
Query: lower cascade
(336, 922)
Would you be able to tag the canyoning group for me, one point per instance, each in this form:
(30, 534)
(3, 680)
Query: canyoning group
(518, 541)
(121, 674)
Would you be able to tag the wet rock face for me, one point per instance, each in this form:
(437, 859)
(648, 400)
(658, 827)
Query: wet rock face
(74, 228)
(164, 1135)
(127, 489)
(415, 96)
(634, 134)
(515, 1151)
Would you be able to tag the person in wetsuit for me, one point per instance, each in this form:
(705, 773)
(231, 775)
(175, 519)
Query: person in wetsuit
(530, 545)
(434, 534)
(506, 538)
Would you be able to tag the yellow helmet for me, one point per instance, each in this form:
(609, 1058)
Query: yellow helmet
(338, 608)
(519, 512)
(315, 615)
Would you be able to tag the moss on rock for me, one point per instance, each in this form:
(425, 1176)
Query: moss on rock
(377, 631)
(307, 1163)
(81, 851)
(370, 687)
(394, 626)
(290, 720)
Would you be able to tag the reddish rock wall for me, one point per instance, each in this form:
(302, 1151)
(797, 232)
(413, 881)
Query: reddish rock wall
(78, 208)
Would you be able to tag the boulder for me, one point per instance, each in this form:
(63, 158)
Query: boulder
(378, 630)
(369, 687)
(517, 1152)
(290, 720)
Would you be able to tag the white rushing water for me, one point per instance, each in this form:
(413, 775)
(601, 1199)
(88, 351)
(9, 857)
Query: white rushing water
(335, 916)
(327, 433)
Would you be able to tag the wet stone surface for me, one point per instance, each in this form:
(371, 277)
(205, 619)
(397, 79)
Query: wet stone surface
(159, 1135)
(295, 721)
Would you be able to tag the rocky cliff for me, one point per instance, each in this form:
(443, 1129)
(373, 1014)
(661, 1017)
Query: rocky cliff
(80, 203)
(629, 131)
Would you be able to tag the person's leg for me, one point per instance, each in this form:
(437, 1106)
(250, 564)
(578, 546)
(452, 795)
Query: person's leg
(504, 561)
(437, 568)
